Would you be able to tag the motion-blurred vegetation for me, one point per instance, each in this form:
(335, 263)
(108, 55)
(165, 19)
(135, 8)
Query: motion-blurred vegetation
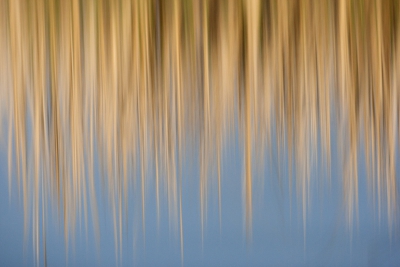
(134, 84)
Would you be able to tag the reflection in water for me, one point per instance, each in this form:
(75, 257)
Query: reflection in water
(135, 85)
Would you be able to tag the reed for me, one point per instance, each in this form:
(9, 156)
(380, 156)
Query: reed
(143, 82)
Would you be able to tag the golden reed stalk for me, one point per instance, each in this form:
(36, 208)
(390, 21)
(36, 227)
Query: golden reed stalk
(138, 83)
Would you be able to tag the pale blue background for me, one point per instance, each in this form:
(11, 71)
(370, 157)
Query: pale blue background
(277, 232)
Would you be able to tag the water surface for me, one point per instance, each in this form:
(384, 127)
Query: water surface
(201, 132)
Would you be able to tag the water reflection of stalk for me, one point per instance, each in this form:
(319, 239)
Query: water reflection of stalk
(139, 81)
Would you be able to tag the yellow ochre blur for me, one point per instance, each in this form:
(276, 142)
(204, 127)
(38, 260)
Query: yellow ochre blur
(138, 84)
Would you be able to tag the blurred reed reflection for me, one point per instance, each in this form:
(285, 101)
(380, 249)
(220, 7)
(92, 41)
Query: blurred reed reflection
(136, 84)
